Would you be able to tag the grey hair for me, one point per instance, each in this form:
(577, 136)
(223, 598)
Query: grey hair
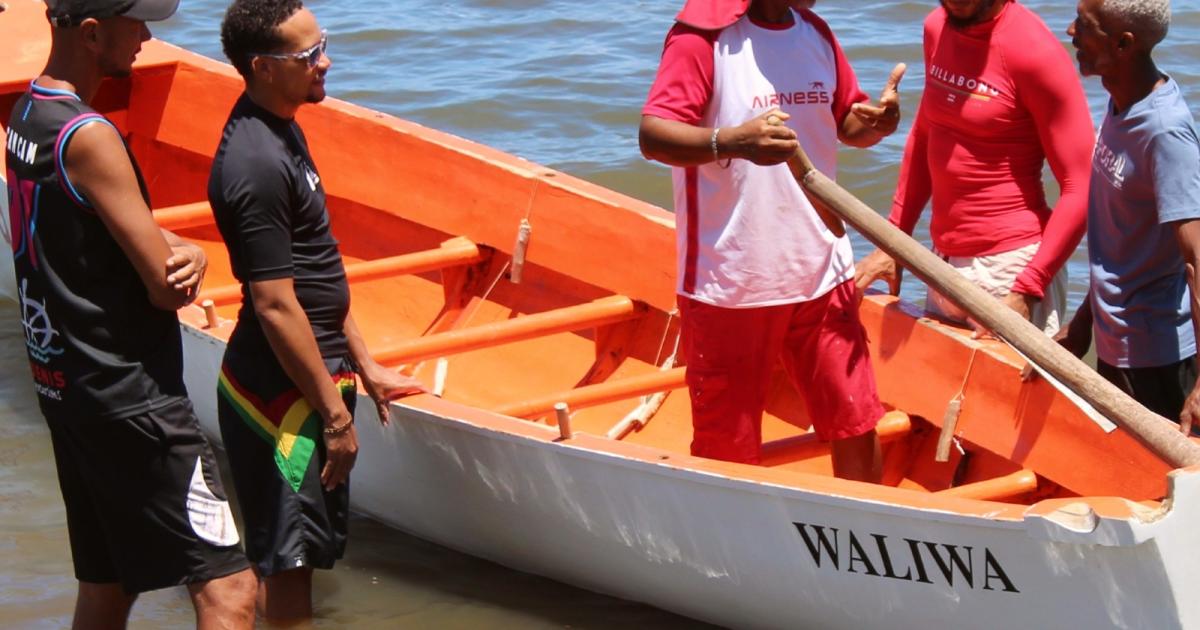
(1147, 19)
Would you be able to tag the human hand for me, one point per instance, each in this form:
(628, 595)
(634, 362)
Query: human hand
(384, 385)
(884, 117)
(878, 265)
(1021, 303)
(1069, 337)
(764, 139)
(1190, 413)
(341, 449)
(185, 269)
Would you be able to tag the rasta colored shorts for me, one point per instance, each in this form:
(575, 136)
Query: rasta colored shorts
(276, 450)
(145, 505)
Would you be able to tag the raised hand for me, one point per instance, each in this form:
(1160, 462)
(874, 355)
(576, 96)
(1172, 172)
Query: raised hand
(883, 117)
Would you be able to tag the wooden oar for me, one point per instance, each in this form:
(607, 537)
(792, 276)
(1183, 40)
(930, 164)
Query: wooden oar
(1156, 433)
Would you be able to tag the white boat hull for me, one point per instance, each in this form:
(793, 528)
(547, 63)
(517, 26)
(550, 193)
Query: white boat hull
(8, 277)
(749, 554)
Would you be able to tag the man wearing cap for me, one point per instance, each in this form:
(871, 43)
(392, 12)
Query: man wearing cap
(1001, 100)
(1143, 214)
(761, 275)
(286, 392)
(99, 284)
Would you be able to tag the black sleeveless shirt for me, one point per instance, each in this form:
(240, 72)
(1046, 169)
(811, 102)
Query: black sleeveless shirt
(97, 347)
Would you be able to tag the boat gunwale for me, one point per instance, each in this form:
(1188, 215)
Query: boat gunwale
(800, 485)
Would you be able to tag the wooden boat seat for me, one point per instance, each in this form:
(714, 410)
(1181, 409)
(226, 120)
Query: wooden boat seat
(455, 252)
(609, 310)
(1009, 486)
(185, 216)
(598, 394)
(892, 426)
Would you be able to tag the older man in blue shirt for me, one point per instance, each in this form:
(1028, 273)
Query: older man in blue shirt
(1143, 213)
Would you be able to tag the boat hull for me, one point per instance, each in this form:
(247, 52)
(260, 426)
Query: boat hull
(742, 553)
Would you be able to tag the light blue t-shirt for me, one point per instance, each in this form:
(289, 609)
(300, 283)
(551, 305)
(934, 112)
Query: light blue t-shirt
(1145, 175)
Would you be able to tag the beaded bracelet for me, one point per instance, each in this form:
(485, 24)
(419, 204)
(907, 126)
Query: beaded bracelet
(712, 142)
(338, 430)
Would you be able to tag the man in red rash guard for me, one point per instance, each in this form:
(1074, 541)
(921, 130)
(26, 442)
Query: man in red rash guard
(761, 276)
(1001, 98)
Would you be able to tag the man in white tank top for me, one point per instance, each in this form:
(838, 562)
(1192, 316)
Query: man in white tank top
(760, 275)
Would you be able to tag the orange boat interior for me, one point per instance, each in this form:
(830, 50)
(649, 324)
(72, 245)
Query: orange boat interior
(428, 224)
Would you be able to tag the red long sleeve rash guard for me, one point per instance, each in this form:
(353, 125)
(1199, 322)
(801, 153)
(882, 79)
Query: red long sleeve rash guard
(1001, 98)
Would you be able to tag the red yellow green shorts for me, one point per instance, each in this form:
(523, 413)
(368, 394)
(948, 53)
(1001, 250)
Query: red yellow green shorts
(273, 439)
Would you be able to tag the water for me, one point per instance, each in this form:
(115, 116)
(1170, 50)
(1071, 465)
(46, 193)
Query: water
(561, 83)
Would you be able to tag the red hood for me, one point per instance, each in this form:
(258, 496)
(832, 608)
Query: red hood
(711, 15)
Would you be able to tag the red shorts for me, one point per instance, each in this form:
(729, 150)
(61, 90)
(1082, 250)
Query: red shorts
(731, 353)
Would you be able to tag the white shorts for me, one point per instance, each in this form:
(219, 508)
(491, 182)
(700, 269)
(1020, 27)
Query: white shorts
(996, 274)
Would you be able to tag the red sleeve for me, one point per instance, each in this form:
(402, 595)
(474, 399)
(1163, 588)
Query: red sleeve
(914, 186)
(847, 91)
(685, 76)
(1048, 86)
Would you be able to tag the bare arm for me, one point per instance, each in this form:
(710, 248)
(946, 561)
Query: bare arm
(289, 333)
(680, 144)
(382, 384)
(1187, 233)
(867, 124)
(97, 164)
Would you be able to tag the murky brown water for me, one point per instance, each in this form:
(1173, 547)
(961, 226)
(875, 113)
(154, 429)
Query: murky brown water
(559, 82)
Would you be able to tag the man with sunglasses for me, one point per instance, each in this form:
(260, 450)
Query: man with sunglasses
(286, 391)
(99, 284)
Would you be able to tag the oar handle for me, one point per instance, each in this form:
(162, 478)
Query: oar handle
(799, 164)
(1156, 433)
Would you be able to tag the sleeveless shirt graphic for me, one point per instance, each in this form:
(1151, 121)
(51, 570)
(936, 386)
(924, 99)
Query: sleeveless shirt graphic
(97, 347)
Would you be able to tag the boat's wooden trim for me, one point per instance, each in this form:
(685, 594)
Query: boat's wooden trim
(598, 394)
(600, 312)
(1027, 422)
(1012, 485)
(184, 216)
(893, 425)
(452, 253)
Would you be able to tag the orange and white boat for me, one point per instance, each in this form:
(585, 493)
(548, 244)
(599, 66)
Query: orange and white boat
(1040, 517)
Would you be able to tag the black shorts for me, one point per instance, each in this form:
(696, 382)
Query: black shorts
(1161, 389)
(276, 450)
(145, 505)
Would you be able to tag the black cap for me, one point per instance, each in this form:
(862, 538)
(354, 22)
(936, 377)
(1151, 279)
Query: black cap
(64, 13)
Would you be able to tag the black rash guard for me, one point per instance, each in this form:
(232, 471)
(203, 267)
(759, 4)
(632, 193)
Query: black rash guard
(270, 208)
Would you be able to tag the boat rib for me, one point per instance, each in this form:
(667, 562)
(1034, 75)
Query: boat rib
(598, 394)
(609, 310)
(452, 253)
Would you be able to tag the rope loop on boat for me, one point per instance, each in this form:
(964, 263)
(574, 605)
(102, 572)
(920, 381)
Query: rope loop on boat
(950, 417)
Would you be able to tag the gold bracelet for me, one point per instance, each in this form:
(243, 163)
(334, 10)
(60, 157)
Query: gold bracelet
(338, 430)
